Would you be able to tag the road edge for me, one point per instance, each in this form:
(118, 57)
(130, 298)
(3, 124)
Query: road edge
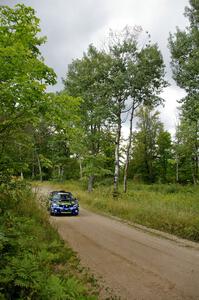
(180, 241)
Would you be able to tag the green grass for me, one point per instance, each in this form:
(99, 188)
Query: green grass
(170, 208)
(35, 263)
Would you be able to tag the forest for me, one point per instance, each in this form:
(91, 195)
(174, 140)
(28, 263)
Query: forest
(76, 134)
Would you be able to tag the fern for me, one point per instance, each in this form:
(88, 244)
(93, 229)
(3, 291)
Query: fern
(31, 253)
(53, 289)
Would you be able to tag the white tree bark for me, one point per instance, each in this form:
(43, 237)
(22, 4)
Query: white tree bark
(39, 166)
(117, 156)
(128, 149)
(80, 169)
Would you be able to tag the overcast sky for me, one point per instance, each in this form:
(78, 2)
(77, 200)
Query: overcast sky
(71, 25)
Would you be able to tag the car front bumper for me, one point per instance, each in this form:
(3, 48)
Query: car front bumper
(60, 210)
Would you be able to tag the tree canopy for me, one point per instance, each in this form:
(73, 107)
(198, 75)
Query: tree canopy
(184, 47)
(46, 135)
(23, 74)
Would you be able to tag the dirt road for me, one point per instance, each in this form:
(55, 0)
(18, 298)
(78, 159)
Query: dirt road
(135, 264)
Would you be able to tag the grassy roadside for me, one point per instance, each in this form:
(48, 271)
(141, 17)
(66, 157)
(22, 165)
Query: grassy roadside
(169, 208)
(35, 263)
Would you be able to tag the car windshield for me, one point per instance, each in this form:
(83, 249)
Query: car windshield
(62, 197)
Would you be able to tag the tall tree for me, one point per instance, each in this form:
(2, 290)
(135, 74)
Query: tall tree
(86, 78)
(136, 77)
(23, 74)
(146, 85)
(151, 147)
(53, 134)
(186, 151)
(184, 47)
(122, 48)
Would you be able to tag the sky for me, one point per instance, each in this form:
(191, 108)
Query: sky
(71, 25)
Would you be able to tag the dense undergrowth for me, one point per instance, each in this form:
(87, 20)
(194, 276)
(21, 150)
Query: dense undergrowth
(35, 263)
(171, 208)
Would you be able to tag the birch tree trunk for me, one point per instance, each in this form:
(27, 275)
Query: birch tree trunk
(39, 166)
(90, 183)
(177, 170)
(80, 169)
(117, 155)
(128, 150)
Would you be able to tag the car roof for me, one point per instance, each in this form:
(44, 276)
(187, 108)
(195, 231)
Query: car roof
(65, 193)
(61, 192)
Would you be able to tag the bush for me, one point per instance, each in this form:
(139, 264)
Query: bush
(31, 252)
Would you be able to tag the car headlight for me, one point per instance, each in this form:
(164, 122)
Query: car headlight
(55, 205)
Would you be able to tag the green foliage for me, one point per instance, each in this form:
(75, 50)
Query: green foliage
(105, 80)
(151, 148)
(96, 165)
(23, 81)
(165, 170)
(23, 74)
(184, 47)
(63, 112)
(35, 263)
(86, 78)
(31, 121)
(186, 151)
(43, 148)
(136, 77)
(136, 73)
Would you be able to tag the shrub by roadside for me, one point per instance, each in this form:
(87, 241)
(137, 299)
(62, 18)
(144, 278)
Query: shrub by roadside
(35, 263)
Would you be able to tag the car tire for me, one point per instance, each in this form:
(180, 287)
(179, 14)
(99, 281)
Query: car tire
(75, 214)
(53, 214)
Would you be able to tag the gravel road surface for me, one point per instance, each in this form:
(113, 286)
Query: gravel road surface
(134, 263)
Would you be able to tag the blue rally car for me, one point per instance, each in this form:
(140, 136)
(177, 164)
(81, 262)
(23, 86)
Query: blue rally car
(62, 202)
